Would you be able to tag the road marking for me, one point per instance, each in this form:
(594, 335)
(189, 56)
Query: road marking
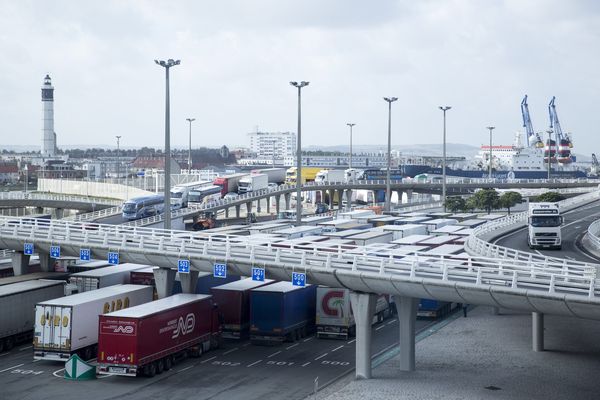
(208, 359)
(352, 341)
(337, 348)
(230, 351)
(294, 345)
(58, 370)
(9, 368)
(185, 369)
(4, 354)
(254, 363)
(380, 327)
(391, 322)
(274, 354)
(321, 356)
(25, 348)
(36, 360)
(305, 364)
(307, 339)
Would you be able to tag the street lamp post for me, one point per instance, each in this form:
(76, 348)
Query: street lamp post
(549, 132)
(350, 158)
(299, 153)
(118, 157)
(190, 120)
(444, 109)
(167, 208)
(388, 189)
(491, 128)
(26, 177)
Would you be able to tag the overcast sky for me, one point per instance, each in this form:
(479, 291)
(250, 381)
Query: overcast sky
(237, 58)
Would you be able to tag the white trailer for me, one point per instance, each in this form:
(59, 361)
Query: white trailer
(331, 175)
(103, 277)
(253, 183)
(434, 224)
(299, 231)
(370, 237)
(400, 231)
(274, 175)
(69, 325)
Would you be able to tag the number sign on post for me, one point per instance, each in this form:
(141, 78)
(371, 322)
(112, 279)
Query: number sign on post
(298, 279)
(28, 249)
(258, 274)
(220, 270)
(183, 266)
(85, 254)
(113, 258)
(55, 251)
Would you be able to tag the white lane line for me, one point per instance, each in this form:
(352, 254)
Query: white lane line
(4, 354)
(352, 341)
(36, 360)
(337, 348)
(208, 359)
(25, 348)
(391, 322)
(321, 356)
(305, 364)
(57, 371)
(274, 354)
(292, 346)
(230, 351)
(254, 363)
(185, 369)
(380, 327)
(9, 368)
(310, 338)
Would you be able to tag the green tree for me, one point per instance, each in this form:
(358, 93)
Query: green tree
(510, 199)
(470, 204)
(551, 197)
(486, 199)
(455, 203)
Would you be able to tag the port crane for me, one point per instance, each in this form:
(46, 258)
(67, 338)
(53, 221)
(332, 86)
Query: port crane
(532, 136)
(562, 139)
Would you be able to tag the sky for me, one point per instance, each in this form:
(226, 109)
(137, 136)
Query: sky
(238, 57)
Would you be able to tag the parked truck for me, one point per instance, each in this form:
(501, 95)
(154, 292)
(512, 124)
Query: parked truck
(150, 338)
(69, 325)
(281, 312)
(308, 175)
(334, 313)
(233, 300)
(330, 175)
(544, 229)
(276, 175)
(17, 304)
(179, 193)
(253, 183)
(228, 183)
(103, 277)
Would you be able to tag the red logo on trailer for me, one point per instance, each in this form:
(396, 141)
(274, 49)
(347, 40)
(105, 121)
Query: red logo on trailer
(333, 302)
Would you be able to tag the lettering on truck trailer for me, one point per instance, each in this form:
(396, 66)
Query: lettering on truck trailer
(184, 327)
(333, 303)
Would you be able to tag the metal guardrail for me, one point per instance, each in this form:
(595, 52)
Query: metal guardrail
(594, 234)
(92, 216)
(57, 197)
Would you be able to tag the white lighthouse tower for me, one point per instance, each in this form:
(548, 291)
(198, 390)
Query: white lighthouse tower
(49, 136)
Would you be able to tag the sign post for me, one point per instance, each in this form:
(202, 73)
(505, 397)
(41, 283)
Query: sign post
(258, 274)
(220, 270)
(55, 251)
(183, 266)
(85, 254)
(298, 279)
(113, 257)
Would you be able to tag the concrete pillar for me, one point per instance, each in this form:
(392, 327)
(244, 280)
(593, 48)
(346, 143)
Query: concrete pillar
(407, 317)
(340, 197)
(248, 208)
(269, 204)
(39, 210)
(46, 262)
(189, 281)
(323, 196)
(258, 208)
(227, 212)
(348, 198)
(288, 199)
(363, 306)
(331, 195)
(20, 263)
(277, 200)
(537, 331)
(59, 213)
(399, 194)
(164, 279)
(237, 211)
(374, 194)
(409, 196)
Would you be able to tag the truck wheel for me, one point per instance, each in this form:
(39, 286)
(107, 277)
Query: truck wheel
(168, 363)
(150, 370)
(87, 353)
(160, 366)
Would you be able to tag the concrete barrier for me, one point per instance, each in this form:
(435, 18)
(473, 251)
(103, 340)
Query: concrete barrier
(90, 188)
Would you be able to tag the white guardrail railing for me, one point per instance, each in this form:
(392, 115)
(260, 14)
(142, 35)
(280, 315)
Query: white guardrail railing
(58, 197)
(594, 234)
(476, 245)
(321, 262)
(92, 216)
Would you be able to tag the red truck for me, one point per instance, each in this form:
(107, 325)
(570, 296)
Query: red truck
(148, 339)
(233, 300)
(228, 183)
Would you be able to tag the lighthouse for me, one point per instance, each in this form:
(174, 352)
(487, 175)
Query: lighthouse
(49, 136)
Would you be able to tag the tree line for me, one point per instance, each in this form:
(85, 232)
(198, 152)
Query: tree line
(490, 199)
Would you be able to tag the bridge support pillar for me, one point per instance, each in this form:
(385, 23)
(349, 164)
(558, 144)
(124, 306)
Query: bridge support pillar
(409, 196)
(288, 199)
(248, 208)
(363, 305)
(39, 210)
(374, 195)
(331, 193)
(340, 197)
(20, 263)
(46, 262)
(258, 208)
(323, 196)
(407, 317)
(237, 211)
(60, 213)
(537, 330)
(348, 198)
(269, 204)
(227, 212)
(189, 281)
(164, 279)
(277, 206)
(399, 194)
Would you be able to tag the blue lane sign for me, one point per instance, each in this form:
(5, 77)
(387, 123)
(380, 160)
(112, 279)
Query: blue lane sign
(85, 254)
(220, 270)
(113, 257)
(141, 173)
(55, 251)
(183, 266)
(258, 274)
(28, 249)
(298, 279)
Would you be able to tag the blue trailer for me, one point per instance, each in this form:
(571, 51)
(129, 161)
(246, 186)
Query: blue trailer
(282, 312)
(434, 308)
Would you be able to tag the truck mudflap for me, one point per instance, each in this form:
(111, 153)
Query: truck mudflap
(122, 370)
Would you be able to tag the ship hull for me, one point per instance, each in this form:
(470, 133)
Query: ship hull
(413, 170)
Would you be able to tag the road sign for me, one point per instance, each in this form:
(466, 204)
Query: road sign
(258, 274)
(141, 173)
(113, 257)
(77, 369)
(28, 249)
(298, 279)
(183, 266)
(220, 270)
(85, 254)
(55, 251)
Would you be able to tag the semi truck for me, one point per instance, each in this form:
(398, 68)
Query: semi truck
(544, 229)
(253, 183)
(330, 175)
(276, 175)
(308, 175)
(233, 300)
(228, 183)
(17, 302)
(150, 338)
(103, 277)
(69, 325)
(334, 313)
(281, 312)
(179, 193)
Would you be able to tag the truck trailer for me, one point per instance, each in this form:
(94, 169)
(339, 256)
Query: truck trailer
(149, 338)
(104, 277)
(330, 175)
(275, 175)
(228, 183)
(17, 304)
(69, 325)
(253, 183)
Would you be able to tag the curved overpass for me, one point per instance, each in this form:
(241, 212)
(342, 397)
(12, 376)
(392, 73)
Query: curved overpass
(52, 200)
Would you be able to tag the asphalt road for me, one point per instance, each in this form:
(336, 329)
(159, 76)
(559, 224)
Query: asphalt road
(575, 226)
(238, 370)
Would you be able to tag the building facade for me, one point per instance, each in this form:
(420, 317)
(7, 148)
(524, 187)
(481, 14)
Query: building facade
(273, 146)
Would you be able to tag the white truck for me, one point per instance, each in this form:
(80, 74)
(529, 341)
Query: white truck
(276, 175)
(334, 313)
(69, 325)
(331, 175)
(102, 277)
(544, 224)
(179, 193)
(253, 183)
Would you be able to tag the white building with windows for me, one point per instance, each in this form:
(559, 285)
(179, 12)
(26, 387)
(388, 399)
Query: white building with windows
(273, 146)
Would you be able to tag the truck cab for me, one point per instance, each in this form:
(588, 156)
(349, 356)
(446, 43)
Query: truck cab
(544, 226)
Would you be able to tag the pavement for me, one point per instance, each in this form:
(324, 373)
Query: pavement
(487, 356)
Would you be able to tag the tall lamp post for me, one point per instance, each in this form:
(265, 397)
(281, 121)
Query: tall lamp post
(299, 153)
(491, 128)
(167, 208)
(118, 156)
(549, 132)
(350, 158)
(190, 120)
(388, 189)
(26, 176)
(444, 109)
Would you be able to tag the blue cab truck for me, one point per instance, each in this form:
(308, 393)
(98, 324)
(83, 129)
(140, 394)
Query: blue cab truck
(282, 312)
